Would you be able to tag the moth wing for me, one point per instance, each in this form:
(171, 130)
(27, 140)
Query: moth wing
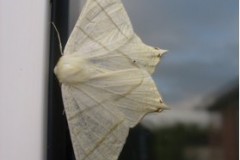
(97, 133)
(103, 26)
(145, 56)
(129, 92)
(101, 111)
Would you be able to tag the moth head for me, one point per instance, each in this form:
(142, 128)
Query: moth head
(70, 69)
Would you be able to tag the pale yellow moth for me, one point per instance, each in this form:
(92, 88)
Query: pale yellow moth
(105, 74)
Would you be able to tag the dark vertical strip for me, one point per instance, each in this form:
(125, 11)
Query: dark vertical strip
(58, 145)
(138, 145)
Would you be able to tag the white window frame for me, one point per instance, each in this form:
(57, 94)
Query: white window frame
(24, 39)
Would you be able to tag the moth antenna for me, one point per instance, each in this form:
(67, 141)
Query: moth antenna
(59, 38)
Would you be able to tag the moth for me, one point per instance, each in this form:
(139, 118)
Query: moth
(105, 75)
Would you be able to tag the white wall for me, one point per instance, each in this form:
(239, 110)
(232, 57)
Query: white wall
(23, 78)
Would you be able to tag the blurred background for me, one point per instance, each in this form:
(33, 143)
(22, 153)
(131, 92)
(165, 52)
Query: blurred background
(198, 79)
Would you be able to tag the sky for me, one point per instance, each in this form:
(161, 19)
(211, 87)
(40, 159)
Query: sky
(202, 42)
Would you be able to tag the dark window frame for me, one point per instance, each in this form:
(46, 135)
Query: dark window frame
(59, 145)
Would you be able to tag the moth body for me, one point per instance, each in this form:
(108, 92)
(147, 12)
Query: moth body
(72, 69)
(107, 86)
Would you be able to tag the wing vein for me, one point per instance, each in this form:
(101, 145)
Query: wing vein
(98, 103)
(103, 138)
(92, 39)
(110, 18)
